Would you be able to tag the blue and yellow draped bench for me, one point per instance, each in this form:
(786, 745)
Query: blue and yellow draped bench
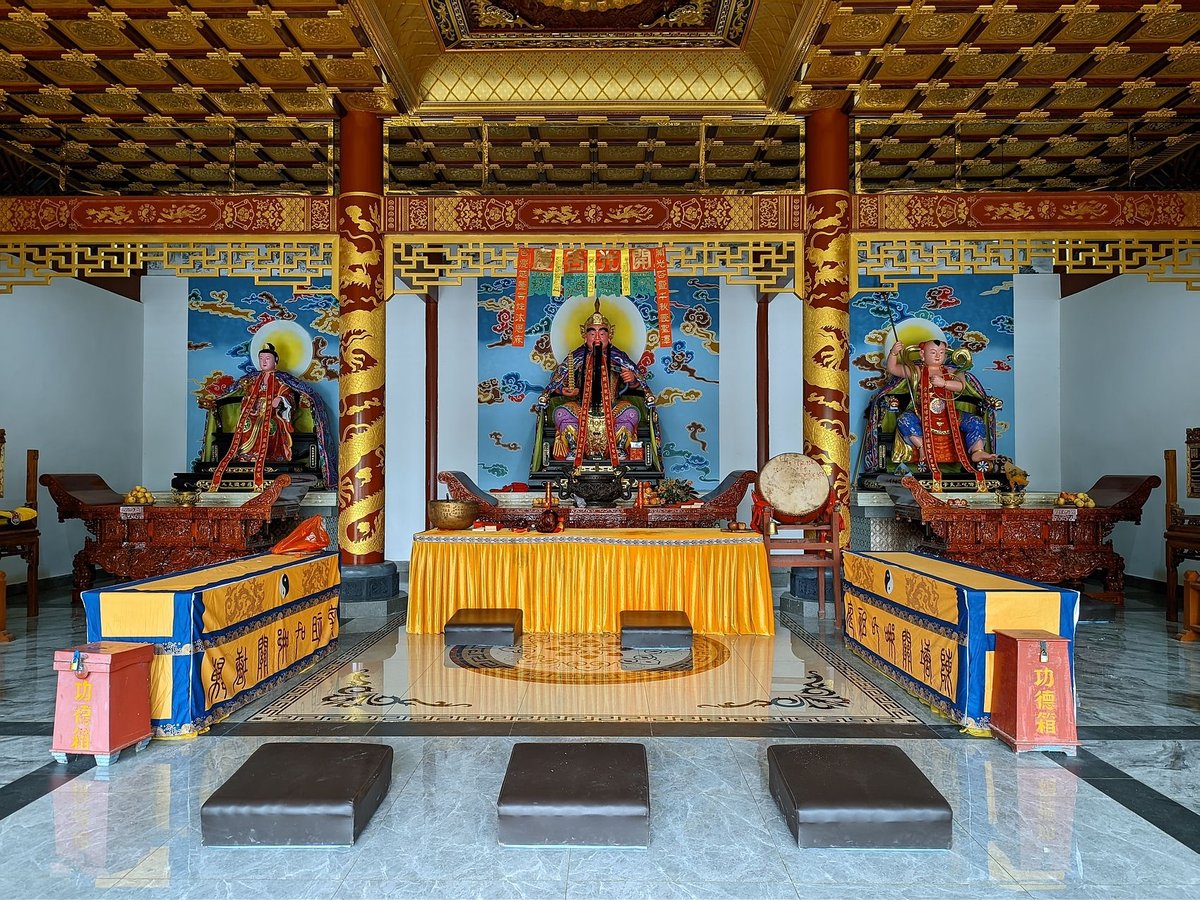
(930, 625)
(222, 634)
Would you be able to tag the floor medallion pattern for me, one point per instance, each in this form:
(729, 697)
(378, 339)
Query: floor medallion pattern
(392, 676)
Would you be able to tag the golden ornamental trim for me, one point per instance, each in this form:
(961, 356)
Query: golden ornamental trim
(885, 261)
(299, 262)
(771, 262)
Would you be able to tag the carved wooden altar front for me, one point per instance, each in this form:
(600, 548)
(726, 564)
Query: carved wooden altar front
(718, 505)
(134, 542)
(1050, 544)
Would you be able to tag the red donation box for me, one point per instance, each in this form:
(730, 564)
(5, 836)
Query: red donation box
(1033, 703)
(103, 701)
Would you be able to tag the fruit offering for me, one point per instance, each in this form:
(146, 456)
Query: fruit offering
(737, 526)
(1080, 500)
(140, 496)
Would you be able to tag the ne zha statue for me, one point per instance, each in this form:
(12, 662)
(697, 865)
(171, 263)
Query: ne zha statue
(931, 415)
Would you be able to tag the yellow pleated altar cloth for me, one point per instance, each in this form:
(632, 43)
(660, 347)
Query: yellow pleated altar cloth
(580, 580)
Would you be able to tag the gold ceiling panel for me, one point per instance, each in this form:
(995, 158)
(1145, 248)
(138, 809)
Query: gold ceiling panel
(141, 73)
(20, 37)
(348, 72)
(981, 65)
(174, 103)
(909, 67)
(241, 103)
(209, 72)
(171, 34)
(1016, 98)
(1052, 65)
(70, 73)
(1021, 29)
(841, 69)
(306, 103)
(936, 29)
(1170, 27)
(13, 75)
(286, 72)
(850, 29)
(95, 36)
(1093, 27)
(258, 35)
(323, 34)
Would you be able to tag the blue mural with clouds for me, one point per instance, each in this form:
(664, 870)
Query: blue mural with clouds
(684, 376)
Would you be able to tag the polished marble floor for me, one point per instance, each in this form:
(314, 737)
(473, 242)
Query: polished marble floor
(1120, 820)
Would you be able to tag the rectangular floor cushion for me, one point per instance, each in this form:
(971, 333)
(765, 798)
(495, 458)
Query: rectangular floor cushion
(655, 630)
(857, 795)
(483, 627)
(575, 794)
(298, 794)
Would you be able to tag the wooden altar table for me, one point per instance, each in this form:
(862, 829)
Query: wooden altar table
(1048, 544)
(131, 541)
(578, 581)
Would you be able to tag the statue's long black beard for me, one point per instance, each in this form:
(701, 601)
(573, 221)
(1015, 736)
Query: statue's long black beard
(597, 404)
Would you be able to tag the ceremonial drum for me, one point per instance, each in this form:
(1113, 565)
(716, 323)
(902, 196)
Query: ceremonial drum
(795, 486)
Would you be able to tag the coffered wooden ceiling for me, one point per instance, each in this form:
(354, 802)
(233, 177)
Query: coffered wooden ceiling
(156, 96)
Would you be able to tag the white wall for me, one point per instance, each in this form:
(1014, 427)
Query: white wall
(1128, 376)
(1036, 378)
(404, 465)
(73, 390)
(166, 394)
(738, 438)
(785, 350)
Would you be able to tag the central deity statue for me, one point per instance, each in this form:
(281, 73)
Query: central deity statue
(595, 421)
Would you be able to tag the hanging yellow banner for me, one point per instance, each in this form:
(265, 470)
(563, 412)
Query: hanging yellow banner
(557, 276)
(591, 273)
(626, 281)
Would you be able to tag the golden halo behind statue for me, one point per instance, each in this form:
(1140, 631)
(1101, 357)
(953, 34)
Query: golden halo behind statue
(629, 328)
(292, 342)
(912, 331)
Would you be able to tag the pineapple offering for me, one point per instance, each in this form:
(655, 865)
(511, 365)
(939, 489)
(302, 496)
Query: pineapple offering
(139, 496)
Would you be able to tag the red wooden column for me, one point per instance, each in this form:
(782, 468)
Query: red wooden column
(826, 295)
(763, 380)
(431, 398)
(365, 573)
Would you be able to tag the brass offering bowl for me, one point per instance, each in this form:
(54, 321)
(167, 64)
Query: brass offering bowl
(1010, 499)
(453, 515)
(185, 498)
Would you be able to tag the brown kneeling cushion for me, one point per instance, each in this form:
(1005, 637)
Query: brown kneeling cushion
(857, 795)
(577, 795)
(298, 794)
(483, 627)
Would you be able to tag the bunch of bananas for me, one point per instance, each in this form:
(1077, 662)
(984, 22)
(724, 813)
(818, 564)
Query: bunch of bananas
(140, 496)
(1080, 500)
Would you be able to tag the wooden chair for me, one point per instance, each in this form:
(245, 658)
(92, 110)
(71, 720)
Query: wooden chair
(820, 541)
(25, 540)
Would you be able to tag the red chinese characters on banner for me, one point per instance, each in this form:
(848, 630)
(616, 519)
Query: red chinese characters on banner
(662, 292)
(591, 262)
(521, 295)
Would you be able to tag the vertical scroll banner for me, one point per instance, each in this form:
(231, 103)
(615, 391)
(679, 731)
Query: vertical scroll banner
(662, 291)
(591, 273)
(557, 276)
(521, 295)
(826, 340)
(626, 282)
(361, 384)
